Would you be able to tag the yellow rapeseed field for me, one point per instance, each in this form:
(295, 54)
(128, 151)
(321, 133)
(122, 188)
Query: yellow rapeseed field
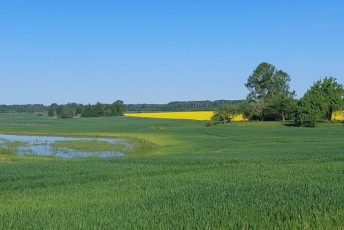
(203, 115)
(199, 115)
(338, 115)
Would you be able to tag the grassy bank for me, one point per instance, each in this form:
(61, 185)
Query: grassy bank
(238, 176)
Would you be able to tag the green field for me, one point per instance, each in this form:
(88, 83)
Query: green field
(180, 175)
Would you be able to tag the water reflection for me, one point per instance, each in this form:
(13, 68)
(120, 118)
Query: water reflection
(41, 146)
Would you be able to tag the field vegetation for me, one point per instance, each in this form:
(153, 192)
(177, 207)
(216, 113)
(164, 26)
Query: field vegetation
(269, 98)
(207, 115)
(91, 145)
(14, 144)
(199, 115)
(181, 175)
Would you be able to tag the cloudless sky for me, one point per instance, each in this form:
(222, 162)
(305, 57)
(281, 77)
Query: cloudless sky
(161, 51)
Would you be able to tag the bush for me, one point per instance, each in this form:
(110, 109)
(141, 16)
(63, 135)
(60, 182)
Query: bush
(209, 123)
(312, 122)
(67, 113)
(7, 152)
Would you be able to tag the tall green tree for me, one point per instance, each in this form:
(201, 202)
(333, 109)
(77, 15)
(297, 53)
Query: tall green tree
(322, 99)
(88, 111)
(283, 106)
(58, 110)
(78, 110)
(3, 110)
(118, 108)
(267, 85)
(98, 110)
(51, 112)
(333, 93)
(67, 113)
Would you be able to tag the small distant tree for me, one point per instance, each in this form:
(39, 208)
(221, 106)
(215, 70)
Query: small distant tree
(246, 109)
(88, 111)
(58, 111)
(67, 113)
(78, 110)
(50, 112)
(3, 110)
(118, 108)
(108, 112)
(53, 105)
(98, 110)
(225, 113)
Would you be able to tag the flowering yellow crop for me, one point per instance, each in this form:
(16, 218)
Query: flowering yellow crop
(338, 115)
(199, 115)
(203, 115)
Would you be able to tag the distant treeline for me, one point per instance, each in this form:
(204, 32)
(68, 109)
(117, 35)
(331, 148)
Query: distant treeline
(181, 106)
(3, 110)
(98, 110)
(29, 108)
(171, 106)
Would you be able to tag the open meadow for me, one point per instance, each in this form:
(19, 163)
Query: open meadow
(179, 175)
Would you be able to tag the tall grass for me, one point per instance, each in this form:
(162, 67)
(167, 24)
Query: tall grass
(192, 191)
(91, 145)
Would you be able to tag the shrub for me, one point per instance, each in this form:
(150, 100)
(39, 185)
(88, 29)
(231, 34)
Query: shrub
(209, 123)
(67, 113)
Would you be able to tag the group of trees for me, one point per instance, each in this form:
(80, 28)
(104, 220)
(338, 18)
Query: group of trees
(269, 92)
(29, 108)
(64, 111)
(98, 110)
(321, 100)
(3, 110)
(78, 108)
(270, 98)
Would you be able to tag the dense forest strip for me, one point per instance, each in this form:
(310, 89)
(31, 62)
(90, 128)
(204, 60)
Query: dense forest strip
(29, 108)
(181, 106)
(171, 106)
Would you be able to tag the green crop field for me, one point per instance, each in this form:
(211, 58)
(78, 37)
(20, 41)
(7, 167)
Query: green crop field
(180, 174)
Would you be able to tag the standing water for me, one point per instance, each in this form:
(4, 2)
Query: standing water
(43, 146)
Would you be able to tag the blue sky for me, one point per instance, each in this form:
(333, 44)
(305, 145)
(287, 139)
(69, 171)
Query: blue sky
(162, 51)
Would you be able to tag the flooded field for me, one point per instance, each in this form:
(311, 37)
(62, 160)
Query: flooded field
(65, 147)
